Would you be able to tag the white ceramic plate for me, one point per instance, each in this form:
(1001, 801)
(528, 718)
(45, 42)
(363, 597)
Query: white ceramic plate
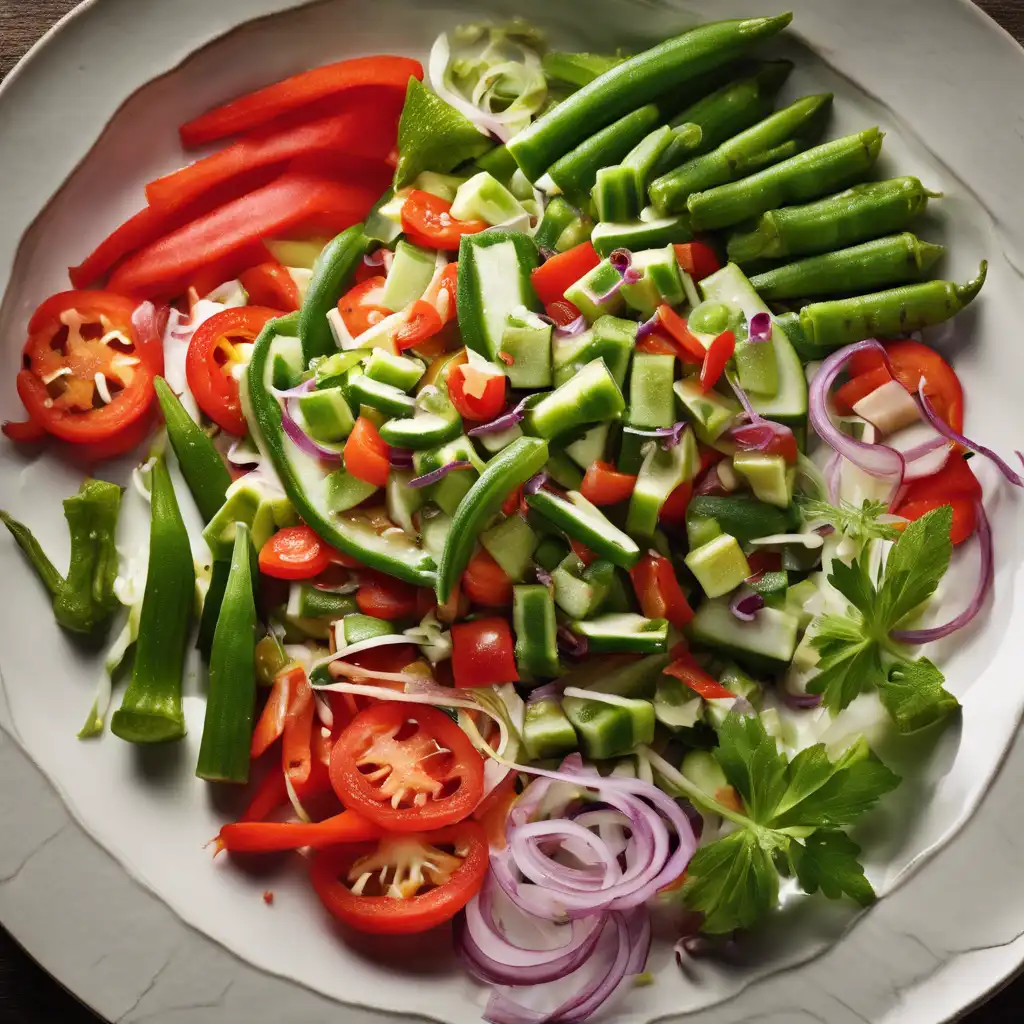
(944, 83)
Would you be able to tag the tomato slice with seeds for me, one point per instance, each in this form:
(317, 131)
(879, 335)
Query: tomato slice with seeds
(408, 768)
(295, 553)
(87, 376)
(402, 884)
(215, 355)
(428, 222)
(361, 308)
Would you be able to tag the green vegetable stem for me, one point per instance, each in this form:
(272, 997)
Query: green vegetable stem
(227, 732)
(151, 710)
(331, 275)
(84, 601)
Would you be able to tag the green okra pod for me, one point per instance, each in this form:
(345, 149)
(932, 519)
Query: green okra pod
(576, 69)
(871, 266)
(822, 327)
(858, 214)
(331, 275)
(742, 155)
(151, 711)
(83, 601)
(227, 730)
(804, 177)
(201, 465)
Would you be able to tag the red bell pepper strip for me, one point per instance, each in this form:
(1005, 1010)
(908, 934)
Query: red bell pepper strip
(658, 591)
(847, 396)
(690, 348)
(292, 94)
(24, 432)
(698, 259)
(270, 284)
(691, 675)
(485, 582)
(673, 511)
(605, 485)
(164, 267)
(364, 133)
(720, 352)
(552, 277)
(271, 725)
(278, 836)
(296, 749)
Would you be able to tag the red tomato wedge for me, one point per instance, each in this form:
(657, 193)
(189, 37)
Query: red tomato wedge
(270, 284)
(289, 96)
(295, 553)
(476, 394)
(552, 277)
(424, 323)
(428, 222)
(483, 653)
(406, 767)
(384, 597)
(360, 307)
(366, 454)
(441, 872)
(603, 485)
(485, 582)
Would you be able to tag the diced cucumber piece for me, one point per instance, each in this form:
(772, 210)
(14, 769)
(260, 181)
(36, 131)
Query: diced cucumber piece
(398, 371)
(434, 422)
(633, 448)
(499, 162)
(331, 371)
(494, 281)
(588, 293)
(550, 553)
(712, 414)
(789, 403)
(676, 706)
(611, 727)
(611, 339)
(409, 276)
(592, 396)
(743, 517)
(511, 544)
(795, 599)
(287, 363)
(660, 474)
(494, 443)
(241, 505)
(483, 197)
(564, 471)
(651, 401)
(345, 491)
(757, 367)
(587, 524)
(640, 234)
(590, 447)
(772, 586)
(767, 643)
(558, 216)
(434, 527)
(660, 281)
(547, 731)
(356, 628)
(445, 186)
(719, 566)
(623, 632)
(615, 196)
(527, 342)
(535, 627)
(385, 398)
(301, 254)
(578, 231)
(770, 478)
(326, 415)
(403, 501)
(702, 769)
(451, 489)
(635, 678)
(384, 221)
(572, 593)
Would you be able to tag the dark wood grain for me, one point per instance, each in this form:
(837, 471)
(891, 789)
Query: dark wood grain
(27, 994)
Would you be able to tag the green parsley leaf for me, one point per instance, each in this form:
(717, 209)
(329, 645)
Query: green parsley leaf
(914, 696)
(850, 663)
(752, 763)
(857, 523)
(828, 861)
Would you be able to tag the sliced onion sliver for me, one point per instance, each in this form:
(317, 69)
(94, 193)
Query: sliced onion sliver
(746, 604)
(440, 473)
(400, 458)
(506, 421)
(985, 578)
(295, 433)
(760, 328)
(437, 68)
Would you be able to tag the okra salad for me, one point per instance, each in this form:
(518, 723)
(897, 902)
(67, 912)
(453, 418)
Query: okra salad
(559, 501)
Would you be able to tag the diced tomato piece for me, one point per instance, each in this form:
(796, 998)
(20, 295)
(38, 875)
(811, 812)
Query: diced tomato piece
(554, 276)
(657, 344)
(476, 394)
(603, 484)
(563, 312)
(385, 597)
(483, 653)
(698, 259)
(367, 454)
(658, 591)
(295, 553)
(423, 323)
(428, 222)
(674, 510)
(485, 582)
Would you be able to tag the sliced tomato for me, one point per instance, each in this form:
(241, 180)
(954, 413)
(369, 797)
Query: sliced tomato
(554, 276)
(715, 360)
(690, 348)
(424, 323)
(87, 376)
(367, 454)
(361, 307)
(214, 356)
(912, 361)
(476, 394)
(485, 582)
(483, 653)
(603, 485)
(674, 510)
(385, 597)
(438, 874)
(847, 396)
(658, 591)
(270, 285)
(409, 768)
(427, 221)
(295, 553)
(965, 515)
(698, 259)
(691, 675)
(563, 312)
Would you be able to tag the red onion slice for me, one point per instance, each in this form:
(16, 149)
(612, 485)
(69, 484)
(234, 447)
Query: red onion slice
(400, 458)
(572, 643)
(985, 578)
(295, 433)
(760, 328)
(745, 606)
(506, 421)
(535, 483)
(647, 328)
(833, 475)
(669, 436)
(799, 701)
(951, 435)
(543, 576)
(440, 473)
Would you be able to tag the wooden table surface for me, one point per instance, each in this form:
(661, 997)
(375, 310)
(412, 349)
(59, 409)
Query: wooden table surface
(27, 994)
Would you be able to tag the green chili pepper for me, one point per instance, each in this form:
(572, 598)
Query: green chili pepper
(510, 469)
(634, 82)
(84, 601)
(860, 213)
(201, 464)
(881, 263)
(151, 710)
(750, 151)
(820, 170)
(227, 730)
(824, 326)
(331, 276)
(309, 489)
(726, 112)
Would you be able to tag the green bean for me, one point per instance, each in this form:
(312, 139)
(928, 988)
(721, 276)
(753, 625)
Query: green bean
(823, 327)
(860, 213)
(881, 263)
(634, 82)
(577, 69)
(576, 172)
(739, 156)
(726, 112)
(815, 173)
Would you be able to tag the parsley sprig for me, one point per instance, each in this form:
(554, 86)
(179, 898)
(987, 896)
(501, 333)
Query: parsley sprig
(857, 523)
(856, 653)
(792, 823)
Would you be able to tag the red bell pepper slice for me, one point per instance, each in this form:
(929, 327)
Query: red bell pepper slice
(552, 277)
(698, 259)
(483, 653)
(690, 348)
(166, 266)
(658, 590)
(485, 582)
(718, 355)
(859, 387)
(289, 96)
(965, 515)
(605, 485)
(691, 675)
(278, 836)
